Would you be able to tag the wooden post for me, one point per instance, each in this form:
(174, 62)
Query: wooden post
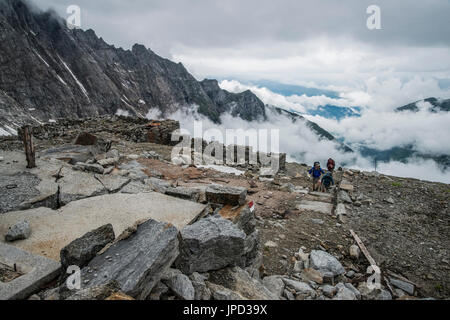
(27, 138)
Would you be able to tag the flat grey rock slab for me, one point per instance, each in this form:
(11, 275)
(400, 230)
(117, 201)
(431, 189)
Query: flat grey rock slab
(318, 206)
(22, 188)
(37, 271)
(77, 185)
(54, 229)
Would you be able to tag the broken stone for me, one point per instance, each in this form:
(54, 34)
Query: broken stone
(112, 154)
(100, 292)
(191, 194)
(344, 293)
(289, 295)
(373, 294)
(19, 231)
(108, 162)
(354, 290)
(219, 292)
(347, 187)
(139, 260)
(340, 210)
(96, 168)
(210, 244)
(311, 275)
(158, 291)
(329, 291)
(85, 248)
(226, 195)
(325, 263)
(403, 285)
(181, 285)
(344, 197)
(158, 185)
(270, 244)
(275, 285)
(301, 288)
(298, 266)
(390, 200)
(355, 252)
(239, 281)
(201, 290)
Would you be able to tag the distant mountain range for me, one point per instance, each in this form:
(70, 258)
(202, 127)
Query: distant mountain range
(436, 105)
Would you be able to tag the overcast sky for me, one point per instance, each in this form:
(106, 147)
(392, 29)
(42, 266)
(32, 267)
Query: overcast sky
(322, 43)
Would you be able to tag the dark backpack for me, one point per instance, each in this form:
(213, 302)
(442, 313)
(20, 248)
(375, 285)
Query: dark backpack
(327, 180)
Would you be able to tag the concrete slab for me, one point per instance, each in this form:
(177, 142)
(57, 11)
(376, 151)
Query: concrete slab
(322, 207)
(51, 230)
(36, 270)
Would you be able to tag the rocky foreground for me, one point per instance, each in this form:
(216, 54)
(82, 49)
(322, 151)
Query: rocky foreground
(139, 226)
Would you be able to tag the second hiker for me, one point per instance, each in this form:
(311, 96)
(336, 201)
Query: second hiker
(316, 173)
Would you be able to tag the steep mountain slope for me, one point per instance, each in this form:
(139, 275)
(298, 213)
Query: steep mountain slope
(48, 71)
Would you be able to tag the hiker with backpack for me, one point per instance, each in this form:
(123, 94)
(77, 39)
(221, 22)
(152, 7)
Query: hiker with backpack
(316, 173)
(327, 181)
(331, 164)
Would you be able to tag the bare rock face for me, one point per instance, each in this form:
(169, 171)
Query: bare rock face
(212, 243)
(84, 249)
(136, 263)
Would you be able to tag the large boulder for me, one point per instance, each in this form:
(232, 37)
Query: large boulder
(226, 195)
(210, 244)
(325, 263)
(238, 280)
(135, 263)
(82, 250)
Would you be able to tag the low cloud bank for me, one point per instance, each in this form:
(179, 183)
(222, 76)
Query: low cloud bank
(302, 145)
